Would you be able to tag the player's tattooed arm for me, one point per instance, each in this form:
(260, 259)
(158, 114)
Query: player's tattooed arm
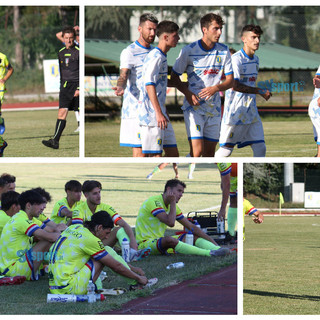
(122, 82)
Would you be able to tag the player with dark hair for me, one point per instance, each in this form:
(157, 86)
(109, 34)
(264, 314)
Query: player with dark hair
(241, 123)
(155, 129)
(10, 181)
(9, 207)
(19, 256)
(62, 210)
(204, 61)
(69, 84)
(131, 62)
(6, 71)
(160, 212)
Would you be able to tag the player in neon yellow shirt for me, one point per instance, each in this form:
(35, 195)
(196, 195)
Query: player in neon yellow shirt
(62, 210)
(6, 71)
(160, 212)
(79, 255)
(229, 186)
(250, 210)
(9, 207)
(83, 212)
(18, 255)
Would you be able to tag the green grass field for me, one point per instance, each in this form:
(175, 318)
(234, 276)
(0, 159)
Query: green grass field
(285, 137)
(125, 188)
(26, 129)
(281, 266)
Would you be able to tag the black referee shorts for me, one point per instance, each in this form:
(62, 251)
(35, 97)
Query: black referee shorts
(66, 96)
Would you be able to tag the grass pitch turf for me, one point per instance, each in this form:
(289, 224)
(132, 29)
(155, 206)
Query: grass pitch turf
(285, 137)
(281, 266)
(125, 188)
(26, 129)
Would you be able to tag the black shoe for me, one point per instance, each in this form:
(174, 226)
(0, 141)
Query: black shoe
(230, 238)
(51, 143)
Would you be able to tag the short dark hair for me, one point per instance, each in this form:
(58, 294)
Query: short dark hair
(173, 183)
(206, 20)
(89, 185)
(8, 199)
(68, 29)
(100, 217)
(73, 185)
(252, 27)
(30, 196)
(232, 51)
(2, 182)
(45, 194)
(166, 26)
(148, 17)
(8, 178)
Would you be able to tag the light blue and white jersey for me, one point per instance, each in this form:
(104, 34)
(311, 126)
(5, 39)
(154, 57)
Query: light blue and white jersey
(132, 58)
(314, 109)
(155, 72)
(241, 108)
(204, 69)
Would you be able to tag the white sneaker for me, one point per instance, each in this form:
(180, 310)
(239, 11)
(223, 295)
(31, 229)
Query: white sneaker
(149, 176)
(77, 130)
(151, 282)
(190, 176)
(220, 252)
(136, 255)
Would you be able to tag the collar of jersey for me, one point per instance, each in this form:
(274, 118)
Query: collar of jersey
(200, 45)
(140, 45)
(161, 51)
(246, 54)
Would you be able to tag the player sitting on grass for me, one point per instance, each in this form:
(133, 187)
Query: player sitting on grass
(314, 109)
(9, 207)
(62, 210)
(79, 256)
(83, 212)
(250, 210)
(19, 256)
(159, 212)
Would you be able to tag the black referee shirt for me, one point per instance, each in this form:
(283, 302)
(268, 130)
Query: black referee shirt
(69, 64)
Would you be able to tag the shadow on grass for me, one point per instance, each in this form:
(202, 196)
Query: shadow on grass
(282, 295)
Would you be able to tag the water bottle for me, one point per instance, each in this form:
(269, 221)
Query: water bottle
(52, 298)
(189, 237)
(220, 229)
(197, 224)
(90, 292)
(176, 265)
(125, 247)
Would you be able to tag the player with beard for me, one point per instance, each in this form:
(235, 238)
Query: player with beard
(131, 62)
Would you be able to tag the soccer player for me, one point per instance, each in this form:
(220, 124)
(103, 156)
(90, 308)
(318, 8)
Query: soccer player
(62, 210)
(160, 167)
(160, 212)
(10, 181)
(229, 186)
(83, 212)
(314, 109)
(204, 61)
(250, 210)
(6, 71)
(9, 207)
(131, 63)
(69, 84)
(155, 129)
(18, 255)
(241, 123)
(79, 255)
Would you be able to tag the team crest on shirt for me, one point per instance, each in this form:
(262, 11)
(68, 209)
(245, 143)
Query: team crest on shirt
(218, 59)
(231, 135)
(159, 142)
(198, 127)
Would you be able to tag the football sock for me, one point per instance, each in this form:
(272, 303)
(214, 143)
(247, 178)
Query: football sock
(192, 166)
(259, 149)
(223, 152)
(205, 244)
(232, 220)
(121, 234)
(156, 170)
(98, 283)
(184, 248)
(60, 125)
(77, 116)
(115, 256)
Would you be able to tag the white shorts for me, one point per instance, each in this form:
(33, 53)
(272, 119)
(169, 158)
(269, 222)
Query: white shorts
(151, 139)
(241, 135)
(169, 139)
(201, 126)
(130, 133)
(315, 120)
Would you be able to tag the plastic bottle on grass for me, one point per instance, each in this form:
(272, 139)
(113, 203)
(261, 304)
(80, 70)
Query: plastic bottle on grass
(220, 229)
(52, 298)
(176, 265)
(90, 292)
(125, 248)
(189, 237)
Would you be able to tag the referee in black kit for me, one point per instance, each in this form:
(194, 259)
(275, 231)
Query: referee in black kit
(69, 84)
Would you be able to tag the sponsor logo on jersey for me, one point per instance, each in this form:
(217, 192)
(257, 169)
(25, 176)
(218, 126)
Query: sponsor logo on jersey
(211, 71)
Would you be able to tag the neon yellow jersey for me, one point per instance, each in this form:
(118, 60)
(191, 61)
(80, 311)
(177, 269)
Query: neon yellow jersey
(60, 205)
(248, 208)
(71, 252)
(228, 168)
(4, 218)
(4, 64)
(16, 239)
(83, 213)
(148, 226)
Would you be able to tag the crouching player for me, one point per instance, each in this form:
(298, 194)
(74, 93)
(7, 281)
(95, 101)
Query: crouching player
(79, 256)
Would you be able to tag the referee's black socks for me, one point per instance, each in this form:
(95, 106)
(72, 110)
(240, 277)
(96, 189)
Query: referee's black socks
(60, 125)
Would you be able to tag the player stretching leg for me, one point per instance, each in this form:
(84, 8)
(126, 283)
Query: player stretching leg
(6, 71)
(69, 84)
(241, 124)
